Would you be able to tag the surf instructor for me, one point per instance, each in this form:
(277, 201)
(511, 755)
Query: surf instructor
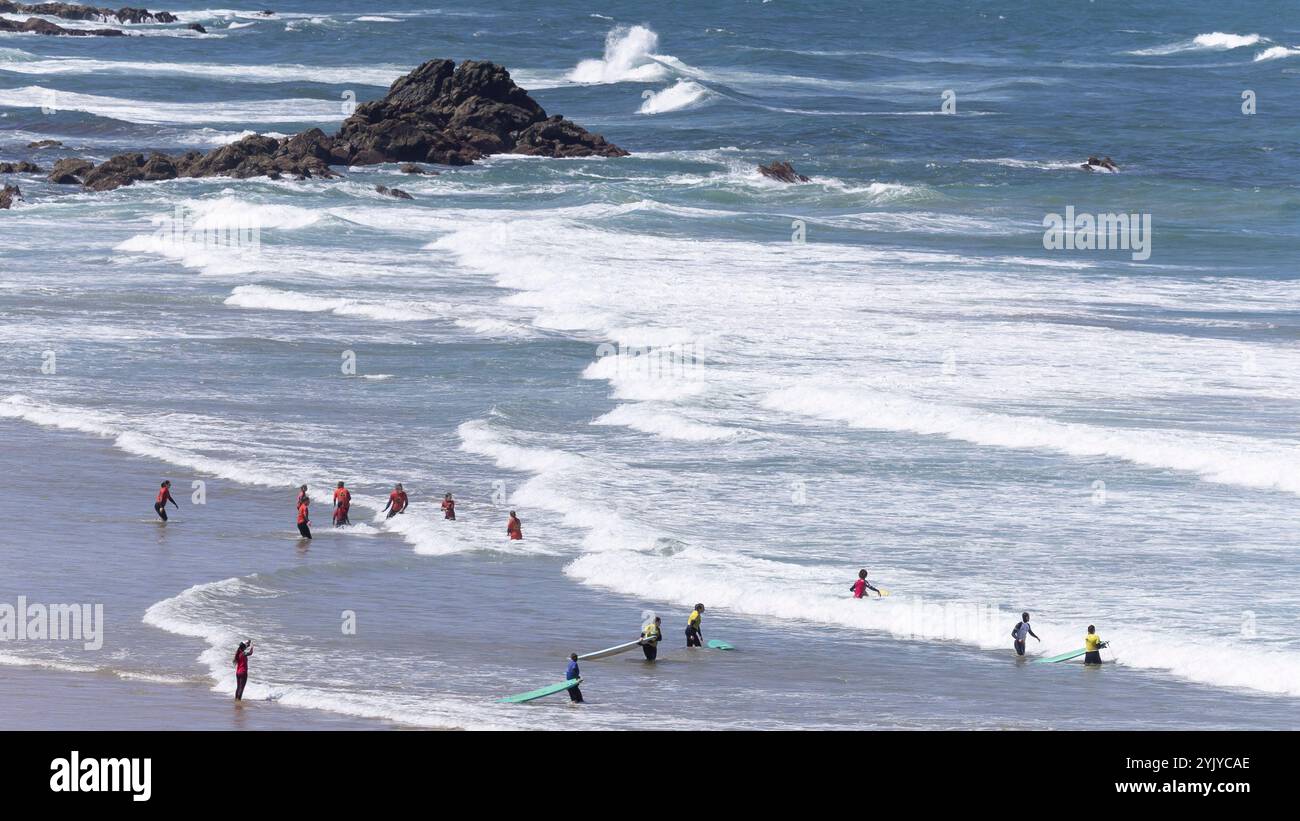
(650, 638)
(694, 636)
(1093, 645)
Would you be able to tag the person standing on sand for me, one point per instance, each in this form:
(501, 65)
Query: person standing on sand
(514, 528)
(397, 501)
(448, 507)
(164, 496)
(342, 501)
(241, 668)
(304, 517)
(575, 694)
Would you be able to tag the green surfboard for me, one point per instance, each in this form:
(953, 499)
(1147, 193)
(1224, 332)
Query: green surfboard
(715, 644)
(549, 690)
(1073, 654)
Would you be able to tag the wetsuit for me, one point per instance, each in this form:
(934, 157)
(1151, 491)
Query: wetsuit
(160, 505)
(1093, 644)
(396, 502)
(515, 529)
(241, 671)
(650, 638)
(575, 693)
(693, 637)
(303, 521)
(860, 588)
(449, 508)
(1020, 634)
(342, 501)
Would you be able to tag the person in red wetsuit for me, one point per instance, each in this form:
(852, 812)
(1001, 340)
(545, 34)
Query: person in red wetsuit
(515, 528)
(304, 517)
(396, 501)
(448, 507)
(861, 586)
(164, 496)
(241, 668)
(342, 501)
(302, 495)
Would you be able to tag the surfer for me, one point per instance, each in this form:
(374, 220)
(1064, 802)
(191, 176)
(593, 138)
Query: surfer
(861, 586)
(650, 638)
(695, 638)
(241, 667)
(304, 517)
(448, 507)
(1020, 631)
(514, 528)
(164, 496)
(575, 694)
(396, 501)
(342, 501)
(1093, 644)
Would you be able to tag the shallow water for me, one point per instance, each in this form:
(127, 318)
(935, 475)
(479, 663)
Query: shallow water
(682, 403)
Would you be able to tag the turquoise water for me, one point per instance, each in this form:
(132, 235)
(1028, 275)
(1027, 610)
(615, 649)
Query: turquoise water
(683, 403)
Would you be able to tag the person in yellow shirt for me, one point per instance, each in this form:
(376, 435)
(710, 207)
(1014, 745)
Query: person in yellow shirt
(650, 638)
(1093, 644)
(694, 636)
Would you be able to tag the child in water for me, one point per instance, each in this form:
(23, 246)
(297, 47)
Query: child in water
(861, 586)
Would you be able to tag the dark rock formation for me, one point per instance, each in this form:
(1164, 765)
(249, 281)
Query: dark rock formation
(438, 113)
(35, 25)
(782, 171)
(45, 144)
(70, 171)
(8, 195)
(450, 115)
(73, 11)
(19, 168)
(393, 192)
(412, 168)
(197, 27)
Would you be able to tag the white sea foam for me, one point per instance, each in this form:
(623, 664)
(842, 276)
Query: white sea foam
(157, 113)
(382, 75)
(1276, 53)
(1213, 41)
(682, 94)
(629, 57)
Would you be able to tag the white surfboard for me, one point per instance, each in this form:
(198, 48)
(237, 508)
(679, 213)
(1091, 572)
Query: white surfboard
(610, 651)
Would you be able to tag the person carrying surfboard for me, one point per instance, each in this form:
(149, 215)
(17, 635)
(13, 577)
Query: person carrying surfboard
(575, 694)
(397, 501)
(514, 527)
(1020, 632)
(650, 638)
(694, 636)
(861, 586)
(1093, 645)
(342, 501)
(164, 496)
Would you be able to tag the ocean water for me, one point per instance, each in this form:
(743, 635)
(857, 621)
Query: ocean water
(693, 383)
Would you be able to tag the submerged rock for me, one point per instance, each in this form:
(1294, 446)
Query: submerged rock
(19, 168)
(35, 25)
(393, 192)
(75, 11)
(8, 195)
(70, 171)
(45, 144)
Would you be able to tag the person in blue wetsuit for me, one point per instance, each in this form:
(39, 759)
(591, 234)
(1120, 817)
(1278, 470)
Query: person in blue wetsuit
(575, 693)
